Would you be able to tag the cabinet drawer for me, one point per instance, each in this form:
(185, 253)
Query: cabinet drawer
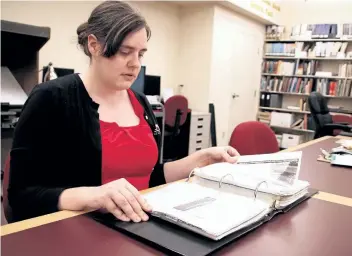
(197, 121)
(194, 149)
(196, 133)
(202, 126)
(199, 142)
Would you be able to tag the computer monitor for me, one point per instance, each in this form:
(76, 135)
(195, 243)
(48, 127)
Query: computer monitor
(152, 85)
(138, 84)
(59, 71)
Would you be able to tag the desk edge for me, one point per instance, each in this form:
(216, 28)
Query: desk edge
(49, 218)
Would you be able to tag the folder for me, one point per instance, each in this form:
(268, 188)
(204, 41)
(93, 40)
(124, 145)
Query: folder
(174, 240)
(221, 203)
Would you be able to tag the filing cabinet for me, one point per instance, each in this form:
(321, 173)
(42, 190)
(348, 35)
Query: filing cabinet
(199, 137)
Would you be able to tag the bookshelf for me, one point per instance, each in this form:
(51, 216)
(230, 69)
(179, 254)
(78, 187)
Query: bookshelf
(293, 68)
(285, 110)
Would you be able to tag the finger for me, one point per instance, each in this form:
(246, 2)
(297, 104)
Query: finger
(137, 208)
(227, 158)
(121, 201)
(113, 209)
(232, 152)
(140, 199)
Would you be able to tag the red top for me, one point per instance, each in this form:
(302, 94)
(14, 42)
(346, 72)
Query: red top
(128, 152)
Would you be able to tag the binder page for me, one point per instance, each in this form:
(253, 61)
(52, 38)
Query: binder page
(282, 167)
(271, 173)
(211, 211)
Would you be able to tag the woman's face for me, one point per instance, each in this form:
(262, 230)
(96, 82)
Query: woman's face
(122, 69)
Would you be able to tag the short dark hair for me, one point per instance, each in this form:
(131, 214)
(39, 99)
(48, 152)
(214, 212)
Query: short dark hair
(111, 22)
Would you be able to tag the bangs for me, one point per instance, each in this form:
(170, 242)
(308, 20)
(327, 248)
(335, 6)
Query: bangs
(119, 32)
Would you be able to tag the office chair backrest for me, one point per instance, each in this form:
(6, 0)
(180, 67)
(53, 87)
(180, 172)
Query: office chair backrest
(5, 202)
(173, 105)
(252, 137)
(319, 110)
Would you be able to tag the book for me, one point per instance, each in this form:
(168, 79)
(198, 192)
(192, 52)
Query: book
(224, 198)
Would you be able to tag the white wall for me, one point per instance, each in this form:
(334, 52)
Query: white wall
(65, 16)
(236, 59)
(196, 23)
(162, 56)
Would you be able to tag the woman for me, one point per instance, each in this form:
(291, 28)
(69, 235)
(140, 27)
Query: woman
(86, 141)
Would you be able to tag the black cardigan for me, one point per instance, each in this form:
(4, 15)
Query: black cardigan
(57, 145)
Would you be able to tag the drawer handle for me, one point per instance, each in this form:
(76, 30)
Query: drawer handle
(200, 126)
(198, 149)
(200, 119)
(198, 141)
(199, 134)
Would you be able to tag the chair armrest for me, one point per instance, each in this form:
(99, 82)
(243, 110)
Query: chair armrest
(347, 134)
(342, 127)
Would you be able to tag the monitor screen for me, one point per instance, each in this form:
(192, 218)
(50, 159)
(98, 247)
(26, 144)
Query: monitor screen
(138, 84)
(59, 71)
(152, 85)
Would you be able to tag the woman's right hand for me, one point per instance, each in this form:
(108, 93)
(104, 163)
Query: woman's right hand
(121, 199)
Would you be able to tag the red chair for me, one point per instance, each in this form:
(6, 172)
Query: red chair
(176, 108)
(253, 137)
(5, 201)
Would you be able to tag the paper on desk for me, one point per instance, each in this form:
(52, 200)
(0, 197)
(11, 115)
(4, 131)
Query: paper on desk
(341, 150)
(153, 99)
(345, 143)
(166, 93)
(345, 160)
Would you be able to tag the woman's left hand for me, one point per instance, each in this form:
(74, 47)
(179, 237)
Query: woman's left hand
(219, 154)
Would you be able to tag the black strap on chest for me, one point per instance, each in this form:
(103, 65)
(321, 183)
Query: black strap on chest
(149, 117)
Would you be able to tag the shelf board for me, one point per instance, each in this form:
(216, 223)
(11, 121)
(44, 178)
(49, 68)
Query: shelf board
(305, 58)
(337, 97)
(280, 57)
(325, 58)
(306, 95)
(341, 111)
(292, 129)
(307, 76)
(287, 93)
(307, 40)
(285, 110)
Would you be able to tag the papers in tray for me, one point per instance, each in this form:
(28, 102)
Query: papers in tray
(223, 198)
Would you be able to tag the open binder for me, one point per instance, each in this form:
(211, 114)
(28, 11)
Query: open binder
(218, 205)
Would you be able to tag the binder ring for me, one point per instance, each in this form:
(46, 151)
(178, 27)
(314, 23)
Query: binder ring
(256, 189)
(220, 182)
(190, 175)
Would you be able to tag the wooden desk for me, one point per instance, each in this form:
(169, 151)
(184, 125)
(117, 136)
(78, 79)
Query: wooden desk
(302, 231)
(321, 175)
(315, 227)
